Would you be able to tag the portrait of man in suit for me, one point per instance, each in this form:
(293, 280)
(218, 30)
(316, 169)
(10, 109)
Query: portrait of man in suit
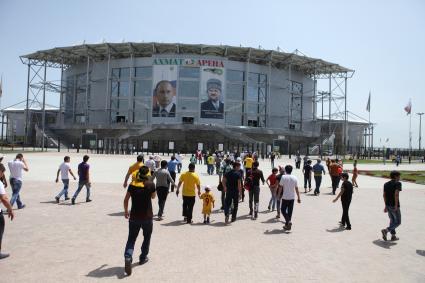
(213, 108)
(164, 93)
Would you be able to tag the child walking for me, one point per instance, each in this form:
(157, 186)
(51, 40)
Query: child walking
(208, 204)
(272, 183)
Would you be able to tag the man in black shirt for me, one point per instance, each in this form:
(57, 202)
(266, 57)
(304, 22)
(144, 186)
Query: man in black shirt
(307, 169)
(141, 191)
(232, 187)
(392, 190)
(254, 192)
(345, 194)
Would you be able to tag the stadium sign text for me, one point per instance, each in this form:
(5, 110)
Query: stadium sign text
(188, 62)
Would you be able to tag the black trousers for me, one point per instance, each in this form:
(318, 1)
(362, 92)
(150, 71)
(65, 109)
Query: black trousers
(231, 197)
(162, 198)
(345, 206)
(335, 183)
(287, 209)
(188, 203)
(173, 176)
(318, 181)
(179, 167)
(134, 227)
(1, 227)
(223, 199)
(307, 179)
(254, 195)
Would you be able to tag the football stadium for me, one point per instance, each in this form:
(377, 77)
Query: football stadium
(163, 97)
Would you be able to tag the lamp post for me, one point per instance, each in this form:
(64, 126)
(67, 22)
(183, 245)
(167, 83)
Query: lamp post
(420, 128)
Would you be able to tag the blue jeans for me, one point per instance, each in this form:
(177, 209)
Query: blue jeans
(395, 219)
(65, 188)
(210, 169)
(287, 209)
(16, 188)
(272, 201)
(134, 227)
(318, 180)
(232, 196)
(81, 184)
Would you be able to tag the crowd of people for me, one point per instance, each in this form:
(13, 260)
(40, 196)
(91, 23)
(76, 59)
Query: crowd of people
(238, 174)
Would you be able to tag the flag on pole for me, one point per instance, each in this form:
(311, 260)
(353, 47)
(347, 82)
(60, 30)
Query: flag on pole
(408, 107)
(368, 104)
(1, 86)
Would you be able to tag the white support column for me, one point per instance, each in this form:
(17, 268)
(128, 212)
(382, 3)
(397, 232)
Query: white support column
(43, 116)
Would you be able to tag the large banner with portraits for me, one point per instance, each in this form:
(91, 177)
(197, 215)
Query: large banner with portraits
(164, 91)
(212, 92)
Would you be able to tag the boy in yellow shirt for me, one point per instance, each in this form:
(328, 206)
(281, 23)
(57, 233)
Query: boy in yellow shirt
(208, 203)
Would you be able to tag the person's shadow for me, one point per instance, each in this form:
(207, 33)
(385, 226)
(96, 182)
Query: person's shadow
(276, 232)
(384, 244)
(420, 252)
(174, 223)
(117, 214)
(103, 271)
(335, 230)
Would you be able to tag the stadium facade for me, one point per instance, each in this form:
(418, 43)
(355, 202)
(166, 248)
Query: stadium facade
(158, 96)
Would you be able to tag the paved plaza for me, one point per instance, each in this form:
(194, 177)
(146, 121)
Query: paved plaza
(85, 242)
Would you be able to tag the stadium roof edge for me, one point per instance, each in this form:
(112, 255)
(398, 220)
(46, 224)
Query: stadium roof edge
(72, 55)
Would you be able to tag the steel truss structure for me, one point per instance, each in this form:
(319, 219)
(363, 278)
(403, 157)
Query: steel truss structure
(64, 57)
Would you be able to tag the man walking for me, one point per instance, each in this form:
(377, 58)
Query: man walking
(163, 180)
(15, 167)
(317, 170)
(133, 168)
(335, 175)
(190, 181)
(254, 192)
(179, 159)
(84, 179)
(345, 194)
(64, 169)
(307, 169)
(141, 191)
(5, 201)
(289, 186)
(172, 167)
(391, 196)
(232, 186)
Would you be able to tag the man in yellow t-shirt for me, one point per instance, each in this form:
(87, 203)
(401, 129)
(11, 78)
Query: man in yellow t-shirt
(191, 182)
(248, 164)
(133, 168)
(210, 164)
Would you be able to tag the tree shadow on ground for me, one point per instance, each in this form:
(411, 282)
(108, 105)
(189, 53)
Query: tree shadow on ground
(337, 229)
(420, 252)
(383, 244)
(103, 272)
(121, 213)
(276, 231)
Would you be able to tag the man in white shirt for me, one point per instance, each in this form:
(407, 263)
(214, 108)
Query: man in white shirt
(5, 201)
(288, 185)
(15, 167)
(179, 158)
(64, 169)
(150, 163)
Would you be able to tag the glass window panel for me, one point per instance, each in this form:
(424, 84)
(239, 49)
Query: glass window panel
(252, 108)
(235, 107)
(263, 79)
(125, 74)
(143, 72)
(252, 93)
(124, 89)
(253, 78)
(233, 119)
(143, 88)
(114, 88)
(188, 88)
(189, 72)
(235, 76)
(234, 91)
(115, 73)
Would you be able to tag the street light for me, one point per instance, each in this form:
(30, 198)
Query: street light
(420, 128)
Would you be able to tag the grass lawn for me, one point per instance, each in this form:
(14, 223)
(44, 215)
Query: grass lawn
(408, 176)
(365, 161)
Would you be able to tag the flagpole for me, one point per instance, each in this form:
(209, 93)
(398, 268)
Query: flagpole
(410, 135)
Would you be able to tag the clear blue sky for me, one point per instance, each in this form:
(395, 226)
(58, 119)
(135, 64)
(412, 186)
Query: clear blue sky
(384, 41)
